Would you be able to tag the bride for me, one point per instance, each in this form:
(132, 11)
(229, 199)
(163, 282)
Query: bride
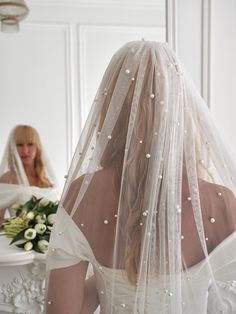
(149, 200)
(24, 170)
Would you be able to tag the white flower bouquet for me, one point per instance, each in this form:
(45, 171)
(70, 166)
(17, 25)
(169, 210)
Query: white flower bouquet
(32, 225)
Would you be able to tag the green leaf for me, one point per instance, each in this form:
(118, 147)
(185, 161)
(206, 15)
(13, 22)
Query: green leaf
(21, 245)
(36, 248)
(18, 236)
(32, 223)
(18, 212)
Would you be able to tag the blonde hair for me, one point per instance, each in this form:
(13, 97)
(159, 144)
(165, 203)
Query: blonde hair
(24, 134)
(136, 165)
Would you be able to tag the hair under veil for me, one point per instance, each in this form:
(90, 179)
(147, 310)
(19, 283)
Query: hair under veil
(149, 200)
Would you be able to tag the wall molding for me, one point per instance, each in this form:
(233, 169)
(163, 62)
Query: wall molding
(205, 54)
(36, 25)
(206, 51)
(72, 104)
(171, 23)
(141, 4)
(82, 75)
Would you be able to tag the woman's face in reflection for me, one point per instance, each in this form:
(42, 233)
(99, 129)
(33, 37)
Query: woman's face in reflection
(27, 153)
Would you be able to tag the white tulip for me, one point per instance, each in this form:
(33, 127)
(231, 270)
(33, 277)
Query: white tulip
(30, 215)
(40, 228)
(51, 219)
(30, 234)
(43, 245)
(50, 228)
(41, 218)
(44, 202)
(28, 246)
(16, 206)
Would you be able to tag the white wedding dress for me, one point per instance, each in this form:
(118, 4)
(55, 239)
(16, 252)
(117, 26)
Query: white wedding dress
(200, 300)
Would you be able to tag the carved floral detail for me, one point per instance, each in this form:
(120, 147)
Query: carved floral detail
(25, 293)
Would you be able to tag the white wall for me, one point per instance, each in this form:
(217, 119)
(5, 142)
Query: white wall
(205, 40)
(189, 36)
(33, 81)
(50, 70)
(223, 67)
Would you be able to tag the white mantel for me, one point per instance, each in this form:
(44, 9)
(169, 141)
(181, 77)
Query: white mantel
(22, 279)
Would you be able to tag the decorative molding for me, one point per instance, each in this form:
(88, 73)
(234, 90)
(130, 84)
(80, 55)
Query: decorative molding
(171, 38)
(25, 293)
(206, 51)
(41, 24)
(72, 103)
(122, 4)
(97, 13)
(82, 74)
(171, 23)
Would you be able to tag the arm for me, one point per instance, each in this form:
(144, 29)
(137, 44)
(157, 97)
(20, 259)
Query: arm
(7, 177)
(3, 179)
(66, 289)
(91, 300)
(2, 212)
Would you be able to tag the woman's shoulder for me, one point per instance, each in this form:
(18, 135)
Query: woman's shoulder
(220, 200)
(213, 189)
(98, 181)
(8, 177)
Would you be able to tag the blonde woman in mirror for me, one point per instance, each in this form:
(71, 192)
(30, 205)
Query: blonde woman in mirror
(24, 170)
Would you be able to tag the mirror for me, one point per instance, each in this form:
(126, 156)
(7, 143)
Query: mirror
(51, 69)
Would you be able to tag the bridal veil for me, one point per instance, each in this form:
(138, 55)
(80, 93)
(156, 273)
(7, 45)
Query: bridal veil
(150, 195)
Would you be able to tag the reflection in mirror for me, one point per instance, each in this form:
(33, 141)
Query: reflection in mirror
(25, 170)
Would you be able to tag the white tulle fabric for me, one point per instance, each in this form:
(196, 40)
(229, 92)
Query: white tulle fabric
(172, 197)
(203, 297)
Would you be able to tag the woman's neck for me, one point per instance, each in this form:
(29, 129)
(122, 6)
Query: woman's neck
(30, 171)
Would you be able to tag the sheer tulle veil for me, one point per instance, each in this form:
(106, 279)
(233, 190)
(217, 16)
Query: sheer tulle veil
(149, 200)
